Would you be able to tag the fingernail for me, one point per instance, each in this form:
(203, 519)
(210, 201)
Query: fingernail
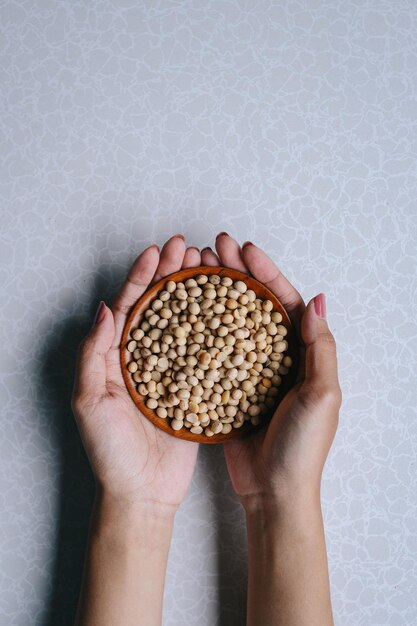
(320, 305)
(221, 234)
(193, 248)
(100, 313)
(206, 249)
(153, 246)
(246, 244)
(179, 236)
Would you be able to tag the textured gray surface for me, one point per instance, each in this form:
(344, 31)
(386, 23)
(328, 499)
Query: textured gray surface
(289, 123)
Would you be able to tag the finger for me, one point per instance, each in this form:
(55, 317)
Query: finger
(264, 269)
(90, 370)
(137, 281)
(208, 257)
(192, 258)
(320, 349)
(172, 257)
(230, 253)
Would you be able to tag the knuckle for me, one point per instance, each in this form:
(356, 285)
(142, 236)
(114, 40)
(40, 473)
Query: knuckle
(332, 396)
(339, 395)
(327, 341)
(86, 350)
(328, 395)
(123, 308)
(85, 345)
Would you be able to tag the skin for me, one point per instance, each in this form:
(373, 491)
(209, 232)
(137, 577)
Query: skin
(143, 473)
(277, 472)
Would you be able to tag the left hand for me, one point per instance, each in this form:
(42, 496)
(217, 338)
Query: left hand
(133, 461)
(284, 460)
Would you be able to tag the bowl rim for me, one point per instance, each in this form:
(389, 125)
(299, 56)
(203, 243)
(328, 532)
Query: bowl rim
(143, 303)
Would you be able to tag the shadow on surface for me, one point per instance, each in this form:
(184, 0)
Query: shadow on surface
(231, 542)
(76, 485)
(75, 482)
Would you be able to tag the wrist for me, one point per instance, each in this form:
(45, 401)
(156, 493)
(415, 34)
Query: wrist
(125, 512)
(267, 519)
(301, 504)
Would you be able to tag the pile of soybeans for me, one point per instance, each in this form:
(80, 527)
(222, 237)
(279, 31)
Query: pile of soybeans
(209, 355)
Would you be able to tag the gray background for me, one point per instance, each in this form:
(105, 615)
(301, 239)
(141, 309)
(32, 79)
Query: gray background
(289, 123)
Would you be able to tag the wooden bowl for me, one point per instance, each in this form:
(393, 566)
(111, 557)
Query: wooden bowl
(133, 321)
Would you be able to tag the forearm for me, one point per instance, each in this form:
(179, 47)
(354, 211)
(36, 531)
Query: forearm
(288, 582)
(125, 566)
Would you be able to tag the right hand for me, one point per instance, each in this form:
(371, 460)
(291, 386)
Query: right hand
(286, 459)
(134, 462)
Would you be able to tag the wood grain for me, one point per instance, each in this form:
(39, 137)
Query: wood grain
(134, 319)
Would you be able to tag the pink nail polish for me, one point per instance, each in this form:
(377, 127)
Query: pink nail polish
(100, 313)
(320, 305)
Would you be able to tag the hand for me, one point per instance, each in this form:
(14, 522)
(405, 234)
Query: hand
(287, 457)
(133, 461)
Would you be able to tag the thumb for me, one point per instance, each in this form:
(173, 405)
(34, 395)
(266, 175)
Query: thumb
(320, 349)
(90, 371)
